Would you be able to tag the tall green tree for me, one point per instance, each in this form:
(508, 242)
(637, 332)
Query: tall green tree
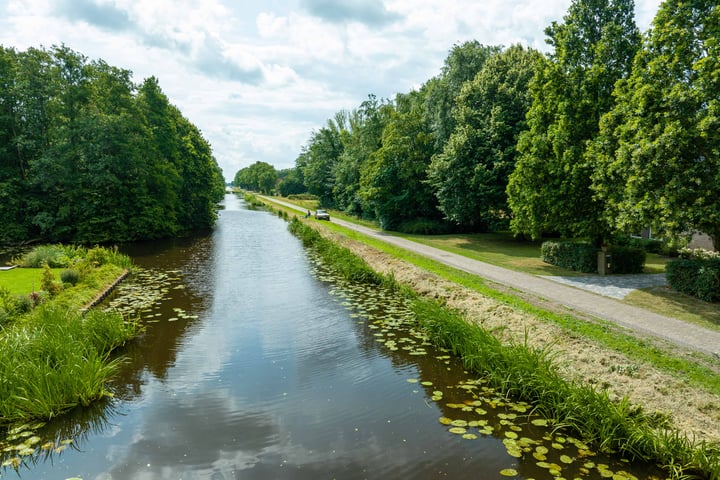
(318, 160)
(470, 176)
(360, 141)
(463, 62)
(659, 148)
(393, 182)
(550, 187)
(259, 177)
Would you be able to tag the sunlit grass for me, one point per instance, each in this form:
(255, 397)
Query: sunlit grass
(668, 302)
(23, 281)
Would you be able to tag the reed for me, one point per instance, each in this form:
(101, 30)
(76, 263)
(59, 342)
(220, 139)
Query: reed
(57, 361)
(530, 375)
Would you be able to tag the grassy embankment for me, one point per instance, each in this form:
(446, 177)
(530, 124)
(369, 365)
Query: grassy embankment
(502, 250)
(52, 357)
(529, 374)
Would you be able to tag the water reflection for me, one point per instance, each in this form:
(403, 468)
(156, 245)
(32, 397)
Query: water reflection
(278, 370)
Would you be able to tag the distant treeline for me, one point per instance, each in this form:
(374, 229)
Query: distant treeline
(87, 156)
(610, 132)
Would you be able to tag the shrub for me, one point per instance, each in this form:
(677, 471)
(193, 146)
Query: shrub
(52, 255)
(48, 283)
(576, 256)
(70, 276)
(627, 259)
(424, 226)
(697, 277)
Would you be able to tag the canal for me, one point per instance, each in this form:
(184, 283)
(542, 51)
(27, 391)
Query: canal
(257, 363)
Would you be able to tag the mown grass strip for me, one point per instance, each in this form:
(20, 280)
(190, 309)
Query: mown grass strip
(529, 374)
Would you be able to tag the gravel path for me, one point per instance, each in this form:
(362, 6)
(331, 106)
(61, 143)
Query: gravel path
(586, 298)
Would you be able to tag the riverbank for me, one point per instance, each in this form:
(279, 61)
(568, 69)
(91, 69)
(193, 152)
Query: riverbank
(676, 382)
(54, 354)
(535, 373)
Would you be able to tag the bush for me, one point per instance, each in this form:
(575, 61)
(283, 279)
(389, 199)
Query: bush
(576, 256)
(48, 283)
(697, 277)
(627, 259)
(424, 226)
(70, 276)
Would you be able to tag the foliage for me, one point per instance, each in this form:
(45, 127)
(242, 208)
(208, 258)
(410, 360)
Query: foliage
(393, 183)
(697, 254)
(470, 175)
(463, 62)
(697, 277)
(55, 256)
(56, 361)
(290, 182)
(87, 156)
(550, 187)
(577, 256)
(70, 276)
(658, 156)
(626, 259)
(48, 283)
(258, 177)
(650, 245)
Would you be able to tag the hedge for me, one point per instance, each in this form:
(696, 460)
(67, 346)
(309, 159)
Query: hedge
(626, 259)
(577, 256)
(697, 277)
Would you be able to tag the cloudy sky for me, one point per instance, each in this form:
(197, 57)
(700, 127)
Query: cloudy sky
(257, 77)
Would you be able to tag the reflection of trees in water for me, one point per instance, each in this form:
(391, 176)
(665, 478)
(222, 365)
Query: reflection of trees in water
(71, 431)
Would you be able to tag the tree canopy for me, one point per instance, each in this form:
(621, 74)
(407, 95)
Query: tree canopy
(87, 156)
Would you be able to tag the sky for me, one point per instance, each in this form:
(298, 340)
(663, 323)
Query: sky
(257, 77)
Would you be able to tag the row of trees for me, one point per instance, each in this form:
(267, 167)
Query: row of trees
(610, 132)
(88, 156)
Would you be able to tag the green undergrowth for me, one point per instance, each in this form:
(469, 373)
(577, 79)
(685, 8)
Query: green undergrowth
(53, 357)
(529, 374)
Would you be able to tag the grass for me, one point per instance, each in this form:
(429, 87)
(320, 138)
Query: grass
(666, 301)
(52, 357)
(23, 281)
(528, 374)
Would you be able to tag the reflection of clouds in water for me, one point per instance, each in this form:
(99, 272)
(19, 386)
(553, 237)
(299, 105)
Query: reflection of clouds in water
(205, 436)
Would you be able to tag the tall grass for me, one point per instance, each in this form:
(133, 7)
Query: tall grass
(58, 361)
(344, 262)
(530, 375)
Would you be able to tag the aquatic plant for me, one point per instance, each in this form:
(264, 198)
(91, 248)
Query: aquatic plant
(531, 375)
(57, 361)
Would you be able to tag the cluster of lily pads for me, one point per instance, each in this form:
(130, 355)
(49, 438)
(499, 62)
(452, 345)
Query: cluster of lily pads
(142, 294)
(475, 410)
(22, 442)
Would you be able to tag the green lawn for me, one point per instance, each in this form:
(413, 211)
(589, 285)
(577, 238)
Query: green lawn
(23, 281)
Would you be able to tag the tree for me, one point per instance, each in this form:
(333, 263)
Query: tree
(393, 182)
(259, 177)
(360, 141)
(659, 148)
(461, 65)
(550, 189)
(470, 176)
(290, 182)
(317, 163)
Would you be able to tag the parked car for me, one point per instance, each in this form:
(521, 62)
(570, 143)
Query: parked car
(322, 215)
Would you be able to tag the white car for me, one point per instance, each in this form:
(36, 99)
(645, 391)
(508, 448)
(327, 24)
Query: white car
(322, 215)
